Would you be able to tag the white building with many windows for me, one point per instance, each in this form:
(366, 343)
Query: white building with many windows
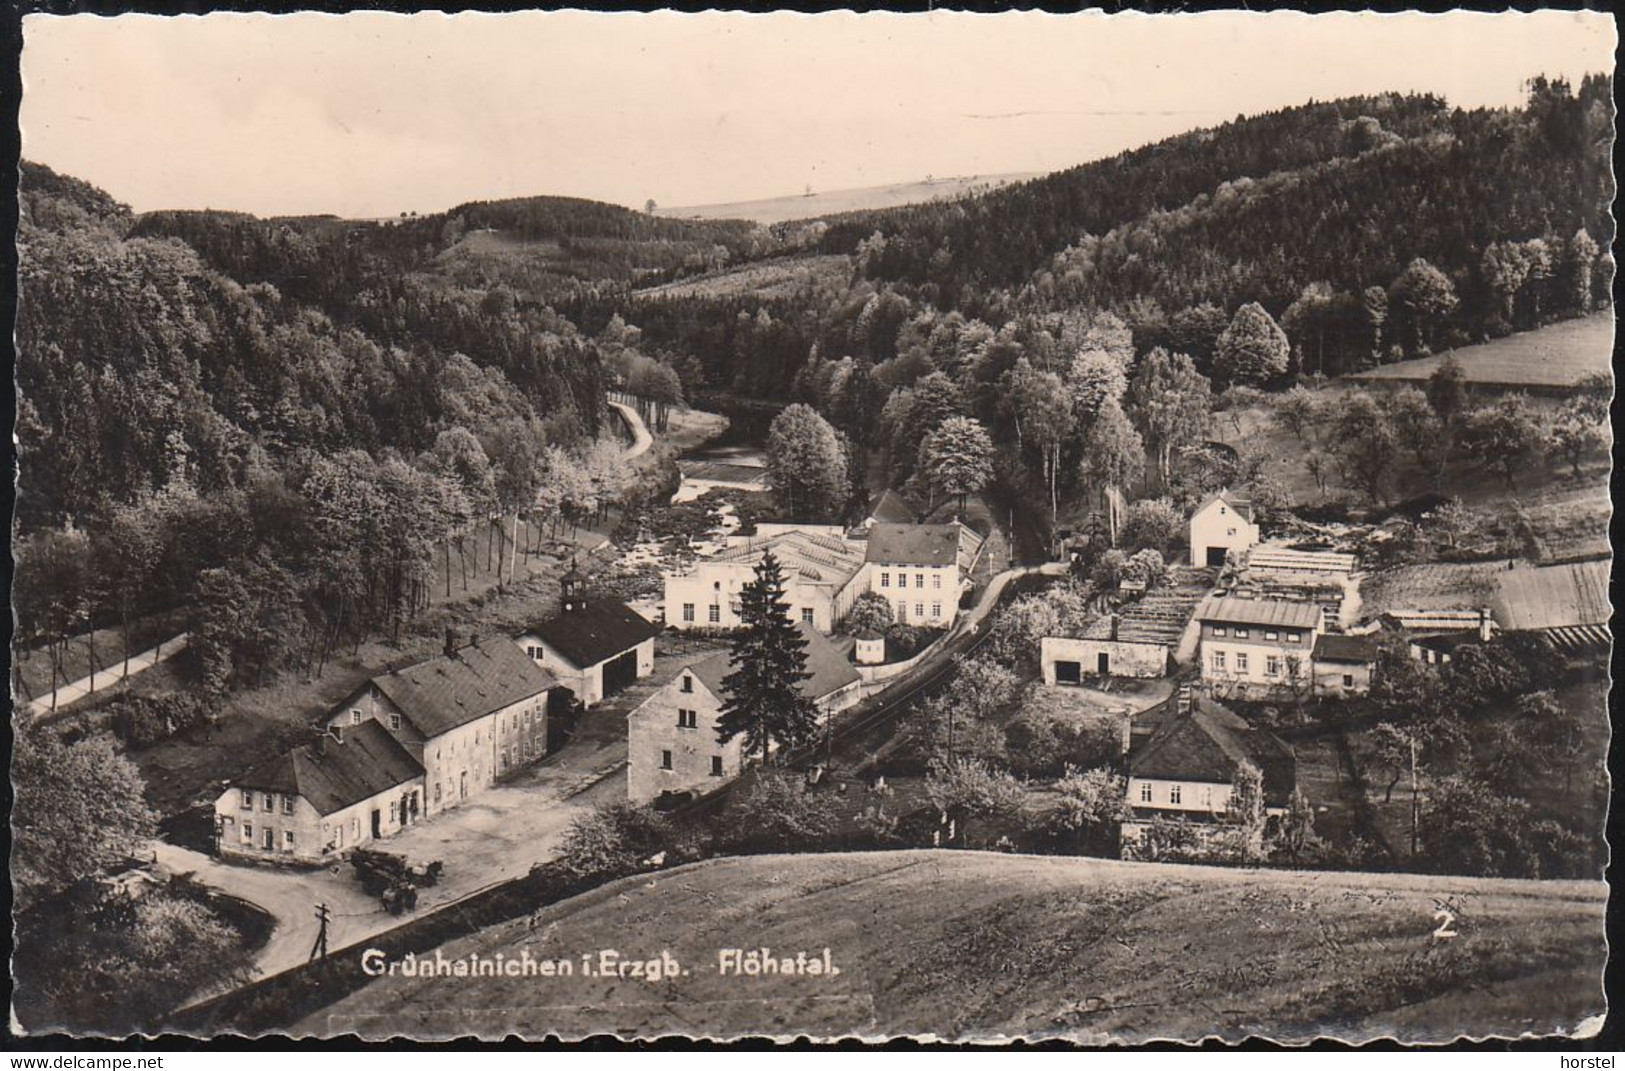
(1256, 646)
(922, 569)
(823, 574)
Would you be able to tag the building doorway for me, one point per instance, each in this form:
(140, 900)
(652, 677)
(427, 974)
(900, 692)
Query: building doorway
(1104, 664)
(377, 824)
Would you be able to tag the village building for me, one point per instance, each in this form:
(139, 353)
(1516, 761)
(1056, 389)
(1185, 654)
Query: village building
(1221, 524)
(593, 646)
(1110, 647)
(322, 798)
(471, 716)
(1184, 768)
(1343, 665)
(672, 746)
(921, 569)
(823, 574)
(1283, 571)
(1256, 647)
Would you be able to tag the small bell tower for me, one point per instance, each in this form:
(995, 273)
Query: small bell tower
(572, 589)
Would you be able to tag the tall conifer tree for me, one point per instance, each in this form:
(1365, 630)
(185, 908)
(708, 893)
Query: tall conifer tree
(763, 699)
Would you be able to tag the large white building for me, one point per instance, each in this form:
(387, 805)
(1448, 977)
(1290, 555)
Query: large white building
(921, 569)
(823, 574)
(470, 716)
(672, 746)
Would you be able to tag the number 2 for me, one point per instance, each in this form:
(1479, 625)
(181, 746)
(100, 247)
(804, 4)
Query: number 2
(1444, 932)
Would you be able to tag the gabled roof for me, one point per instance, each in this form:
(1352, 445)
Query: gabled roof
(595, 631)
(812, 557)
(1240, 504)
(1553, 596)
(334, 775)
(446, 691)
(1266, 612)
(829, 668)
(1339, 648)
(1207, 743)
(892, 508)
(922, 544)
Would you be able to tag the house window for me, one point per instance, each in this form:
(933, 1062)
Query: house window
(1173, 793)
(885, 580)
(248, 799)
(392, 813)
(1242, 634)
(269, 843)
(267, 804)
(919, 609)
(1241, 662)
(338, 836)
(1294, 637)
(716, 765)
(355, 829)
(936, 609)
(1218, 660)
(355, 717)
(919, 580)
(1272, 666)
(807, 614)
(1272, 635)
(1145, 791)
(534, 652)
(437, 791)
(936, 580)
(248, 832)
(394, 723)
(287, 840)
(287, 803)
(688, 612)
(1220, 630)
(688, 719)
(665, 760)
(713, 613)
(1229, 531)
(688, 683)
(902, 608)
(1348, 680)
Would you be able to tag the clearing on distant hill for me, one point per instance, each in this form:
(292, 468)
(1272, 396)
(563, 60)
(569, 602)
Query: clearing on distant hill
(979, 945)
(1553, 357)
(834, 202)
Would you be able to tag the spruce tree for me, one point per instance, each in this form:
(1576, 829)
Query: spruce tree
(762, 695)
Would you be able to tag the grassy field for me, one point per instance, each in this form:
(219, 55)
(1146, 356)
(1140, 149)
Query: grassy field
(833, 202)
(768, 279)
(966, 945)
(1555, 356)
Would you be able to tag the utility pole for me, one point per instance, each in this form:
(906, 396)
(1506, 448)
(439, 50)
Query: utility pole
(1414, 795)
(319, 949)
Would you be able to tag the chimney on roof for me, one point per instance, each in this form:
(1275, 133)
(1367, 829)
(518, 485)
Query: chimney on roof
(451, 642)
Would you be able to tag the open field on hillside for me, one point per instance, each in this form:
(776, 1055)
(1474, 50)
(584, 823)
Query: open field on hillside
(973, 945)
(834, 202)
(1555, 356)
(768, 279)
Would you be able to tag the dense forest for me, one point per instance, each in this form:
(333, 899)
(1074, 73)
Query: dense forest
(208, 391)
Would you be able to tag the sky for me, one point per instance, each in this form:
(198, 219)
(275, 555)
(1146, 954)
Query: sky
(373, 114)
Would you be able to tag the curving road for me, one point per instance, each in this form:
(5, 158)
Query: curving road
(641, 438)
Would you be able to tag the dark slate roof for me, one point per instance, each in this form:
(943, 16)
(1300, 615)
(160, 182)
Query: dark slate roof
(829, 668)
(892, 508)
(1207, 744)
(451, 690)
(1337, 648)
(917, 544)
(334, 775)
(595, 632)
(1265, 612)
